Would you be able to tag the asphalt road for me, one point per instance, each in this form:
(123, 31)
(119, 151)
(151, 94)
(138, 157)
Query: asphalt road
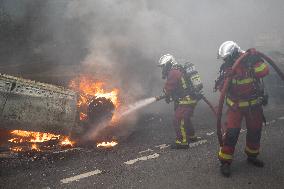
(144, 160)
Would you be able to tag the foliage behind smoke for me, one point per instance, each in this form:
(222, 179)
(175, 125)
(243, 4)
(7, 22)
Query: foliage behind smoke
(123, 39)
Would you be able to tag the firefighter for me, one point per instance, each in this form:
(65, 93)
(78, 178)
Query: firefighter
(177, 89)
(245, 98)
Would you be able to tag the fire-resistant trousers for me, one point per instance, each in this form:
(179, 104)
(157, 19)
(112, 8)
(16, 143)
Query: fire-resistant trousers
(253, 119)
(182, 123)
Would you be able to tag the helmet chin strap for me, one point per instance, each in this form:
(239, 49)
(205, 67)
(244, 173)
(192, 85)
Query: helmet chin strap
(165, 70)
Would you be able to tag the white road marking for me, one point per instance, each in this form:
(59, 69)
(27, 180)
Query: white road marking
(191, 145)
(270, 122)
(148, 150)
(143, 158)
(209, 134)
(81, 176)
(281, 118)
(162, 146)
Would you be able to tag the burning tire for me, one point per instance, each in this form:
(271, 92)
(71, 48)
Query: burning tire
(100, 109)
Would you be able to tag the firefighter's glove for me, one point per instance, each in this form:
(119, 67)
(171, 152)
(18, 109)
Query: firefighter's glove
(264, 100)
(168, 99)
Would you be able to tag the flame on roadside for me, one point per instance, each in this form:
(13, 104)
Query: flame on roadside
(107, 144)
(29, 136)
(35, 138)
(16, 149)
(35, 147)
(67, 142)
(88, 88)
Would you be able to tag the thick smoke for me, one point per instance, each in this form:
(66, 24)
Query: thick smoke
(121, 40)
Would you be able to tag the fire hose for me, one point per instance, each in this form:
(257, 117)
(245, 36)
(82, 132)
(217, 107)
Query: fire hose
(228, 80)
(158, 98)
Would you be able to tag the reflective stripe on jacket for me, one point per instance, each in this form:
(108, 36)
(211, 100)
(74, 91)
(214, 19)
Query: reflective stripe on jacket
(244, 87)
(243, 104)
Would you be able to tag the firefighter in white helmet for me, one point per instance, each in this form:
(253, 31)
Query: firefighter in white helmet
(244, 98)
(177, 88)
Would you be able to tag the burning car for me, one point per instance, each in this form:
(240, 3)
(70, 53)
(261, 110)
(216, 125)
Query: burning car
(37, 113)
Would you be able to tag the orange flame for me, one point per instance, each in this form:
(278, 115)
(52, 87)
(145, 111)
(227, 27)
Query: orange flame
(67, 142)
(107, 144)
(16, 149)
(34, 147)
(29, 136)
(89, 89)
(34, 138)
(83, 116)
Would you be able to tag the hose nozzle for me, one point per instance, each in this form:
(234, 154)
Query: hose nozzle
(158, 98)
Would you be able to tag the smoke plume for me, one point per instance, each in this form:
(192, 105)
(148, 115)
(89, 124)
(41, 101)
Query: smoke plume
(120, 41)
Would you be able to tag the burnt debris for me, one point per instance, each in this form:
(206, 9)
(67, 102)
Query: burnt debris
(100, 109)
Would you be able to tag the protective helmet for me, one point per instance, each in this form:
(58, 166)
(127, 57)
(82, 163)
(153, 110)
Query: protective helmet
(167, 59)
(166, 62)
(228, 49)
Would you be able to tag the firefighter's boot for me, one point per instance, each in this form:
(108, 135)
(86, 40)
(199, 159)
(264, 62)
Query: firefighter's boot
(255, 161)
(225, 169)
